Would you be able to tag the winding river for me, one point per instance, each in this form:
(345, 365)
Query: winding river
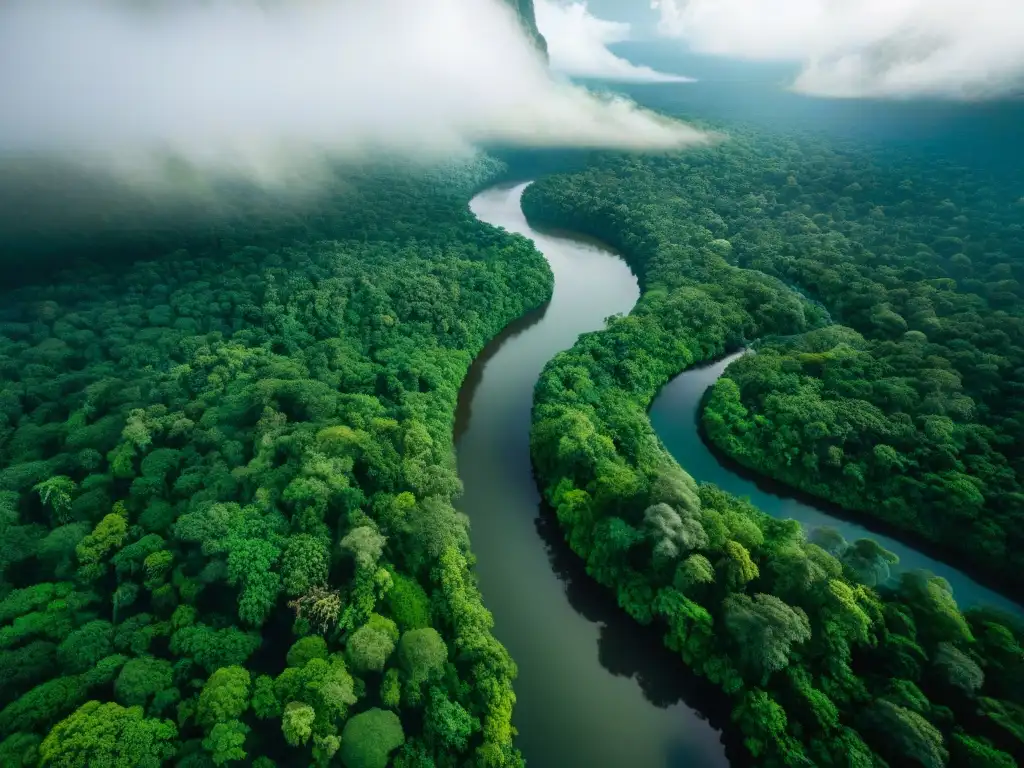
(594, 688)
(674, 414)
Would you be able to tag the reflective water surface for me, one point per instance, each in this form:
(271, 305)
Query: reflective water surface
(674, 415)
(594, 688)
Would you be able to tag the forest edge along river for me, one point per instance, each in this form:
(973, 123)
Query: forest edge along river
(675, 415)
(594, 688)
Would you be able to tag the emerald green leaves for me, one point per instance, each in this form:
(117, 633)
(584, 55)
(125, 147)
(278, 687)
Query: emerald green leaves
(109, 735)
(826, 659)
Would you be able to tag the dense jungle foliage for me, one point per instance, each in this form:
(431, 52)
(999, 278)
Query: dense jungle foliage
(828, 662)
(226, 521)
(911, 408)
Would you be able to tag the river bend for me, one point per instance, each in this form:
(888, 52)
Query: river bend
(594, 688)
(675, 413)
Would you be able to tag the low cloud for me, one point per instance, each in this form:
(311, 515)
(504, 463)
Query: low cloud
(267, 89)
(578, 45)
(866, 48)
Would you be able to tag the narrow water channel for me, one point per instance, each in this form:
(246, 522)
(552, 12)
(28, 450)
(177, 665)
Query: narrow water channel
(674, 415)
(594, 688)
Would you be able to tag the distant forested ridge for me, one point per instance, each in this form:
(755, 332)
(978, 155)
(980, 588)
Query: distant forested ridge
(827, 663)
(226, 522)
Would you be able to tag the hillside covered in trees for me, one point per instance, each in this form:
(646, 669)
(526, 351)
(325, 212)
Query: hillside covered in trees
(827, 661)
(226, 522)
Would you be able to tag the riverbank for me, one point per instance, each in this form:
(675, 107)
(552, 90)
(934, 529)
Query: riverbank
(592, 689)
(821, 669)
(676, 416)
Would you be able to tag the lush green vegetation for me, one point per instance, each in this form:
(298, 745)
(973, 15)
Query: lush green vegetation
(911, 408)
(826, 665)
(226, 521)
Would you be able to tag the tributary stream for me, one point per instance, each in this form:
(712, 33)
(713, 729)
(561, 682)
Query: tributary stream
(595, 689)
